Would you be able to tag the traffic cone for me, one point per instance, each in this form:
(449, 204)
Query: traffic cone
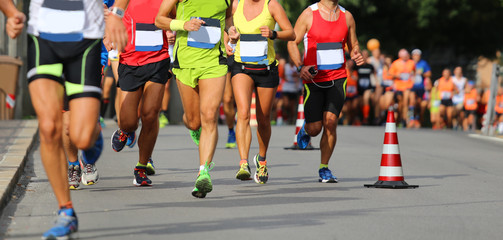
(253, 112)
(298, 126)
(391, 174)
(279, 117)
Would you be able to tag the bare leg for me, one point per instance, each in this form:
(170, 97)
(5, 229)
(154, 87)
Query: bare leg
(265, 98)
(243, 89)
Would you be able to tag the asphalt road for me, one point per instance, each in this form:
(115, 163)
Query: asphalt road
(459, 194)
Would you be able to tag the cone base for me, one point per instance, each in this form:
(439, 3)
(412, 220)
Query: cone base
(296, 147)
(390, 184)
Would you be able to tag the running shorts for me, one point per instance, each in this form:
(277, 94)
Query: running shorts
(230, 62)
(323, 97)
(131, 78)
(191, 76)
(262, 78)
(79, 62)
(446, 102)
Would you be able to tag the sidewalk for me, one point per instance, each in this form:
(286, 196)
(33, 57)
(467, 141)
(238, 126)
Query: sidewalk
(17, 137)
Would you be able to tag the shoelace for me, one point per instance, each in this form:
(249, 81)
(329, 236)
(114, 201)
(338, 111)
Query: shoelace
(142, 173)
(262, 170)
(75, 175)
(89, 168)
(122, 136)
(64, 220)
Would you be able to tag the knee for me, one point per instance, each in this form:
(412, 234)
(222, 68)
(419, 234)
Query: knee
(84, 140)
(264, 119)
(313, 129)
(227, 99)
(50, 131)
(149, 117)
(128, 125)
(209, 117)
(243, 116)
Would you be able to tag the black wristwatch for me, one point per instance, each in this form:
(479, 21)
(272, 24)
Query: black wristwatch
(274, 35)
(299, 68)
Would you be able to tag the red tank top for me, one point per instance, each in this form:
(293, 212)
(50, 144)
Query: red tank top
(324, 44)
(146, 43)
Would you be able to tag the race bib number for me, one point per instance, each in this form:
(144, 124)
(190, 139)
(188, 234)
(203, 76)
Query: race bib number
(148, 37)
(387, 83)
(470, 101)
(364, 82)
(253, 47)
(418, 80)
(329, 56)
(446, 95)
(61, 20)
(207, 36)
(436, 103)
(351, 89)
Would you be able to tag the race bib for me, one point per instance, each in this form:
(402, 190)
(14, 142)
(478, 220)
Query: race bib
(387, 83)
(329, 56)
(113, 55)
(364, 82)
(148, 38)
(446, 95)
(404, 76)
(436, 103)
(351, 89)
(253, 47)
(207, 36)
(418, 80)
(62, 20)
(470, 101)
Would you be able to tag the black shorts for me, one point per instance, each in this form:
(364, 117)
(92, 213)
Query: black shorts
(109, 72)
(131, 78)
(361, 90)
(230, 62)
(446, 102)
(78, 62)
(468, 112)
(290, 95)
(419, 92)
(323, 97)
(265, 79)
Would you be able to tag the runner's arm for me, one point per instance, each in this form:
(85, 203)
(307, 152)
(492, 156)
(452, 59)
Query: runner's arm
(353, 46)
(115, 29)
(15, 18)
(300, 29)
(279, 15)
(164, 21)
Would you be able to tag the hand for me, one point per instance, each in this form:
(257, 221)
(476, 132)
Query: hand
(15, 24)
(357, 57)
(171, 37)
(233, 35)
(108, 45)
(116, 32)
(229, 50)
(305, 74)
(193, 25)
(265, 31)
(106, 12)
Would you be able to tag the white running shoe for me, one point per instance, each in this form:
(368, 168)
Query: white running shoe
(90, 174)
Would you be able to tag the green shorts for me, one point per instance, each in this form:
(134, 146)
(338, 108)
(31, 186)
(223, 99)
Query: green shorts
(191, 76)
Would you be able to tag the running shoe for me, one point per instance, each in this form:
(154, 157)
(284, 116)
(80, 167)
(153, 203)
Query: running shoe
(150, 167)
(163, 120)
(231, 140)
(90, 174)
(92, 154)
(131, 139)
(303, 139)
(203, 182)
(244, 172)
(119, 139)
(66, 224)
(195, 135)
(261, 176)
(74, 176)
(326, 176)
(140, 177)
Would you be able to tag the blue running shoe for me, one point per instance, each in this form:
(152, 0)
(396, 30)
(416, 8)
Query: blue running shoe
(140, 177)
(231, 139)
(119, 139)
(91, 155)
(150, 167)
(326, 176)
(303, 139)
(131, 139)
(102, 122)
(65, 226)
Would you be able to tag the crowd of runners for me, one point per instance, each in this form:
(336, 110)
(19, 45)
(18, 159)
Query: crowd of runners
(218, 52)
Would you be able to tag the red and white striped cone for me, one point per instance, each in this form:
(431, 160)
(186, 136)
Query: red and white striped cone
(391, 174)
(253, 112)
(298, 126)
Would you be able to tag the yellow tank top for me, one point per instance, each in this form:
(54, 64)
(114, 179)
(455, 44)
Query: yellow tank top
(251, 47)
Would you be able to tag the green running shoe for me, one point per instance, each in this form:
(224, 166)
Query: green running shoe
(261, 176)
(150, 167)
(195, 135)
(203, 182)
(244, 172)
(163, 120)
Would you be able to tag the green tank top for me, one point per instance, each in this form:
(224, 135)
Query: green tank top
(251, 47)
(203, 48)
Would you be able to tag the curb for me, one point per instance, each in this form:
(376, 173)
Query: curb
(13, 162)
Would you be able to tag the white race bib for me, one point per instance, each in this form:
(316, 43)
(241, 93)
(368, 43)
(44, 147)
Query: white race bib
(418, 80)
(387, 83)
(436, 103)
(113, 55)
(329, 56)
(445, 95)
(470, 101)
(351, 89)
(207, 36)
(148, 38)
(364, 82)
(404, 76)
(62, 20)
(253, 47)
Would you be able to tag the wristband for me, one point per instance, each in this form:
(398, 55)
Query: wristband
(299, 68)
(117, 11)
(274, 35)
(177, 25)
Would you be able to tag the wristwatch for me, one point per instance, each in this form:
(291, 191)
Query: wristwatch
(274, 35)
(117, 11)
(299, 68)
